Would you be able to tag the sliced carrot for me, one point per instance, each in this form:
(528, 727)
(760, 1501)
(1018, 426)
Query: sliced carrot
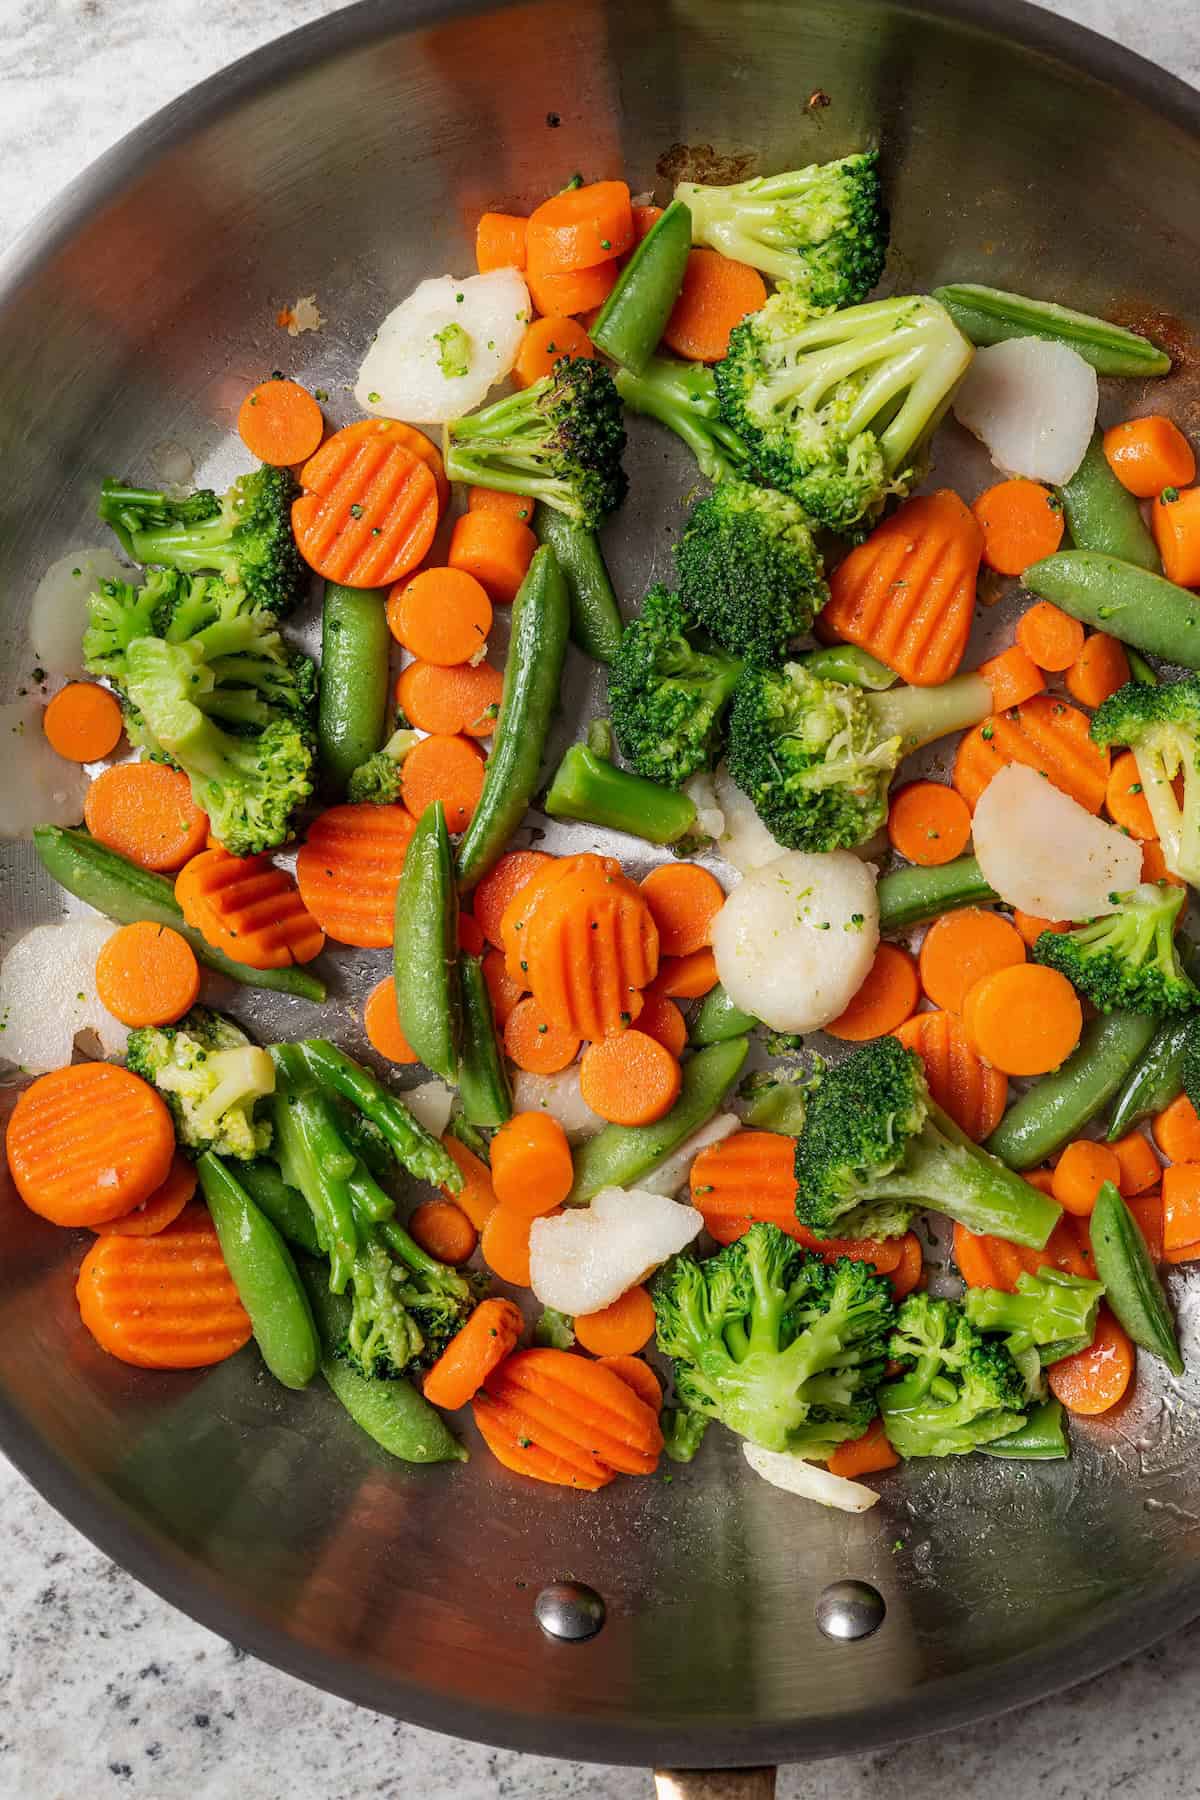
(685, 977)
(1021, 1021)
(629, 1078)
(381, 1022)
(579, 228)
(716, 294)
(514, 506)
(445, 768)
(684, 899)
(911, 1268)
(1080, 1172)
(488, 1336)
(532, 1171)
(1180, 1207)
(1013, 678)
(661, 1019)
(1069, 1248)
(1177, 1131)
(442, 616)
(462, 697)
(1022, 522)
(471, 940)
(369, 508)
(88, 1143)
(583, 937)
(571, 295)
(1175, 521)
(280, 423)
(166, 1301)
(83, 722)
(1100, 669)
(248, 908)
(570, 1401)
(502, 990)
(421, 447)
(1149, 454)
(504, 1243)
(1124, 800)
(1140, 1168)
(164, 1205)
(477, 1196)
(960, 1082)
(1050, 637)
(348, 869)
(544, 344)
(1031, 927)
(1095, 1379)
(869, 1454)
(637, 1375)
(500, 241)
(147, 974)
(493, 548)
(1041, 1179)
(620, 1329)
(1147, 1209)
(750, 1178)
(928, 823)
(534, 1043)
(907, 594)
(1154, 867)
(645, 218)
(508, 1435)
(1044, 734)
(961, 948)
(886, 998)
(994, 1262)
(501, 884)
(145, 812)
(443, 1229)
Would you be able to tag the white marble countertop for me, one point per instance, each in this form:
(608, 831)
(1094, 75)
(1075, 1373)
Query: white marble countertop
(104, 1689)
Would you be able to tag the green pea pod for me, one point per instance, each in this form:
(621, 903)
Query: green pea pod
(595, 616)
(633, 318)
(620, 1155)
(718, 1020)
(425, 956)
(352, 709)
(1140, 669)
(589, 788)
(1132, 1288)
(1042, 1438)
(1155, 1080)
(414, 1148)
(1140, 608)
(482, 1077)
(264, 1275)
(911, 895)
(988, 315)
(285, 1206)
(541, 617)
(1102, 515)
(849, 664)
(1055, 1110)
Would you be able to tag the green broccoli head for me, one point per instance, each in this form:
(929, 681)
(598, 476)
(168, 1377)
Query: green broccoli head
(406, 1304)
(378, 781)
(838, 410)
(960, 1390)
(1051, 1312)
(1161, 725)
(212, 1078)
(119, 613)
(750, 570)
(823, 230)
(775, 1099)
(782, 1348)
(683, 397)
(1126, 960)
(560, 440)
(668, 691)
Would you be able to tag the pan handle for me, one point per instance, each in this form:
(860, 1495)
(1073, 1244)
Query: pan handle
(714, 1784)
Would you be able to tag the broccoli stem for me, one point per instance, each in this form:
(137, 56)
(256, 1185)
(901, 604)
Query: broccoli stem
(588, 788)
(684, 398)
(946, 1171)
(1046, 1309)
(921, 715)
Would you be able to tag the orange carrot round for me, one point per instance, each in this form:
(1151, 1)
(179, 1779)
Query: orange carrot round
(442, 616)
(910, 1269)
(1147, 1209)
(1149, 454)
(348, 869)
(500, 241)
(961, 948)
(629, 1078)
(488, 1336)
(869, 1454)
(684, 899)
(1175, 522)
(495, 549)
(620, 1329)
(534, 1043)
(369, 508)
(552, 1458)
(1177, 1131)
(576, 1411)
(504, 1241)
(1079, 1174)
(928, 823)
(164, 1205)
(582, 935)
(1094, 1380)
(280, 423)
(515, 869)
(445, 1231)
(1124, 799)
(445, 768)
(421, 447)
(1154, 866)
(886, 998)
(961, 1083)
(716, 294)
(574, 293)
(989, 1261)
(1140, 1168)
(147, 974)
(88, 1143)
(645, 218)
(248, 908)
(637, 1375)
(381, 1022)
(1024, 1020)
(83, 722)
(503, 991)
(462, 697)
(1044, 734)
(662, 1020)
(1181, 1211)
(1031, 927)
(476, 1196)
(532, 1170)
(1049, 636)
(579, 228)
(746, 1177)
(1013, 678)
(1099, 670)
(166, 1301)
(513, 506)
(145, 812)
(544, 344)
(1022, 522)
(471, 940)
(685, 977)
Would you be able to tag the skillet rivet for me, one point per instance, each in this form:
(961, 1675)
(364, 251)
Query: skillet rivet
(848, 1610)
(569, 1610)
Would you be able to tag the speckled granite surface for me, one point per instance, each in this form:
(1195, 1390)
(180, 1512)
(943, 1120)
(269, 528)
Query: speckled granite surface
(106, 1690)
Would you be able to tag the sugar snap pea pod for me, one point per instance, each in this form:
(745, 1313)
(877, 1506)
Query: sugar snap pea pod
(352, 709)
(127, 894)
(285, 1206)
(1140, 608)
(1132, 1288)
(911, 895)
(592, 789)
(848, 664)
(595, 615)
(400, 1420)
(1155, 1080)
(414, 1148)
(1042, 1438)
(633, 318)
(537, 647)
(1139, 668)
(264, 1275)
(1053, 1111)
(425, 947)
(482, 1076)
(988, 315)
(620, 1154)
(314, 1160)
(1102, 515)
(718, 1019)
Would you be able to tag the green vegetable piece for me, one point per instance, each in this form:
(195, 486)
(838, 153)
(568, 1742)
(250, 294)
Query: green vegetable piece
(414, 1148)
(454, 351)
(285, 1206)
(1127, 958)
(1140, 608)
(750, 570)
(352, 708)
(1042, 1438)
(1056, 1108)
(261, 1267)
(774, 1100)
(988, 315)
(668, 691)
(683, 397)
(1102, 515)
(1140, 669)
(683, 1432)
(848, 664)
(593, 790)
(1047, 1310)
(428, 995)
(718, 1019)
(380, 780)
(1132, 1287)
(554, 1330)
(595, 615)
(1161, 725)
(313, 1158)
(960, 1390)
(632, 319)
(911, 895)
(212, 1077)
(483, 1074)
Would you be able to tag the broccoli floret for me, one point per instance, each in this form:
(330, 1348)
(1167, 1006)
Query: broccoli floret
(560, 441)
(668, 691)
(775, 1099)
(406, 1305)
(683, 397)
(749, 569)
(1191, 1063)
(1126, 960)
(378, 780)
(783, 1349)
(683, 1432)
(823, 230)
(1051, 1312)
(838, 410)
(874, 1148)
(960, 1390)
(212, 1078)
(119, 612)
(1161, 725)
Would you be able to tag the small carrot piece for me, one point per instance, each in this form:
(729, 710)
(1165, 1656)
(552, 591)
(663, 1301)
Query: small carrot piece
(1031, 927)
(961, 948)
(645, 218)
(1013, 678)
(1044, 734)
(500, 241)
(471, 940)
(1181, 1208)
(88, 1143)
(1094, 1380)
(1099, 670)
(1149, 454)
(544, 344)
(445, 768)
(1041, 1179)
(166, 1301)
(381, 1022)
(1050, 637)
(1154, 867)
(1023, 1022)
(1147, 1209)
(584, 1402)
(1079, 1174)
(907, 594)
(620, 1329)
(534, 1043)
(886, 998)
(164, 1205)
(928, 823)
(869, 1454)
(637, 1375)
(716, 294)
(348, 869)
(442, 616)
(462, 697)
(532, 1170)
(369, 508)
(504, 1243)
(248, 908)
(907, 1274)
(507, 1434)
(579, 228)
(488, 1336)
(514, 506)
(685, 977)
(145, 812)
(477, 1196)
(147, 974)
(961, 1083)
(574, 294)
(684, 899)
(1177, 1131)
(501, 884)
(83, 722)
(503, 991)
(1022, 522)
(280, 423)
(421, 447)
(582, 935)
(1140, 1168)
(662, 1020)
(1124, 799)
(443, 1229)
(989, 1261)
(1175, 522)
(494, 548)
(629, 1078)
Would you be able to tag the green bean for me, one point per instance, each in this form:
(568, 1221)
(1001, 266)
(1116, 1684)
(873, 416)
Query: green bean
(589, 788)
(848, 664)
(261, 1267)
(595, 616)
(425, 953)
(1102, 515)
(1140, 608)
(1056, 1109)
(466, 1133)
(1132, 1287)
(537, 647)
(285, 1206)
(620, 1154)
(127, 894)
(414, 1148)
(988, 315)
(633, 318)
(1140, 669)
(1155, 1080)
(1042, 1438)
(352, 710)
(911, 895)
(482, 1077)
(314, 1160)
(718, 1020)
